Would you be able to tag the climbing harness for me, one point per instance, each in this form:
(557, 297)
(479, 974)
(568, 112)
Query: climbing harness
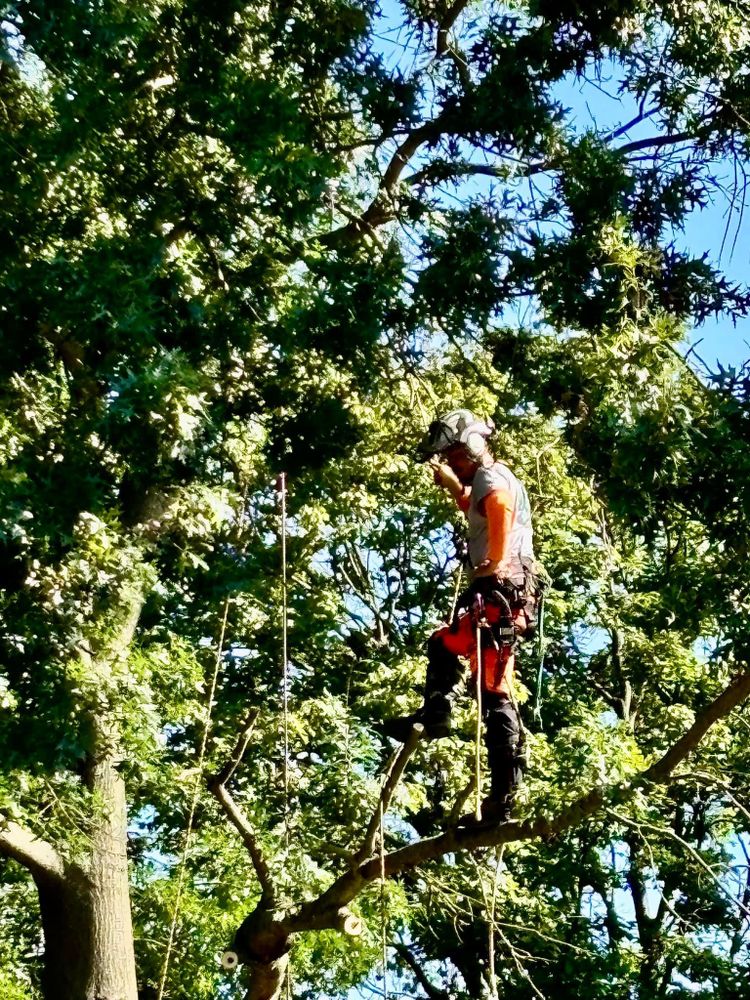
(499, 634)
(194, 803)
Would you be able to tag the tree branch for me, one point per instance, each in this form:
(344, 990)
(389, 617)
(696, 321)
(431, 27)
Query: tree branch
(446, 23)
(317, 914)
(657, 141)
(39, 857)
(666, 832)
(389, 787)
(419, 974)
(242, 825)
(235, 758)
(461, 169)
(217, 786)
(382, 209)
(444, 46)
(733, 695)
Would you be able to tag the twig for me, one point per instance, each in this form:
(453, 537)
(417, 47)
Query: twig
(521, 968)
(389, 787)
(665, 831)
(235, 758)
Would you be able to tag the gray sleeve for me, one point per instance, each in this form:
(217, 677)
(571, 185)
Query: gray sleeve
(487, 480)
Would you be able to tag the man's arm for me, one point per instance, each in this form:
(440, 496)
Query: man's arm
(445, 476)
(497, 507)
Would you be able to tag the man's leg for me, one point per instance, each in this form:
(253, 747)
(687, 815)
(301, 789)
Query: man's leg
(444, 673)
(502, 738)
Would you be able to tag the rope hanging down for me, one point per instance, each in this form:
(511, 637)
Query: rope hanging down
(281, 487)
(383, 907)
(194, 802)
(537, 710)
(478, 743)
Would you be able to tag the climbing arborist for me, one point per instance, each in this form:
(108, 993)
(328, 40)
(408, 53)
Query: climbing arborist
(499, 602)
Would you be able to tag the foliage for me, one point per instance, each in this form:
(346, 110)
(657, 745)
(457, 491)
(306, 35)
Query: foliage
(238, 240)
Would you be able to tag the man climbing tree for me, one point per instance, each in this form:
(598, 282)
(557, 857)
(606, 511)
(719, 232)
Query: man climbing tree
(498, 605)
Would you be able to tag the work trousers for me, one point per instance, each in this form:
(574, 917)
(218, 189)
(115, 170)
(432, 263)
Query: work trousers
(502, 733)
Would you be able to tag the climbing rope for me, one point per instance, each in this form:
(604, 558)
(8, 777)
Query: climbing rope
(456, 592)
(537, 710)
(383, 906)
(491, 973)
(281, 486)
(478, 742)
(194, 803)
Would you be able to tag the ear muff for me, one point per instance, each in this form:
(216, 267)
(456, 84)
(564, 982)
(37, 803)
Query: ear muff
(474, 437)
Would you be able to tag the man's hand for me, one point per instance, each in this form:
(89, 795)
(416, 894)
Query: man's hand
(492, 567)
(445, 476)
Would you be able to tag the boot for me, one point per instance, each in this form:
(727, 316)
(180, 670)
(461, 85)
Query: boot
(434, 715)
(497, 810)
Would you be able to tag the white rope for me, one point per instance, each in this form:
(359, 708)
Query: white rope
(383, 907)
(478, 743)
(194, 803)
(284, 654)
(492, 975)
(456, 592)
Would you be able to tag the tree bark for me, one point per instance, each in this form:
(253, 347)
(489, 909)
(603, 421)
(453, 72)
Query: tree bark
(88, 927)
(266, 979)
(86, 918)
(66, 923)
(112, 974)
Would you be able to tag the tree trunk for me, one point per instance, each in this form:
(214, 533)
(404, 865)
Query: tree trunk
(262, 943)
(66, 923)
(86, 917)
(112, 974)
(266, 979)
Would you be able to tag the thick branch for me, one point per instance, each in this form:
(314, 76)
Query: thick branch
(464, 168)
(317, 914)
(729, 699)
(382, 209)
(389, 787)
(647, 925)
(122, 642)
(41, 859)
(217, 785)
(657, 141)
(446, 23)
(242, 825)
(444, 45)
(419, 974)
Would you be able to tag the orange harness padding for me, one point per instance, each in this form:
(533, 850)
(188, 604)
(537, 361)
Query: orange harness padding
(498, 665)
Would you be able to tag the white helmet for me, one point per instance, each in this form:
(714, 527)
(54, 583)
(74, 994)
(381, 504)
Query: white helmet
(457, 427)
